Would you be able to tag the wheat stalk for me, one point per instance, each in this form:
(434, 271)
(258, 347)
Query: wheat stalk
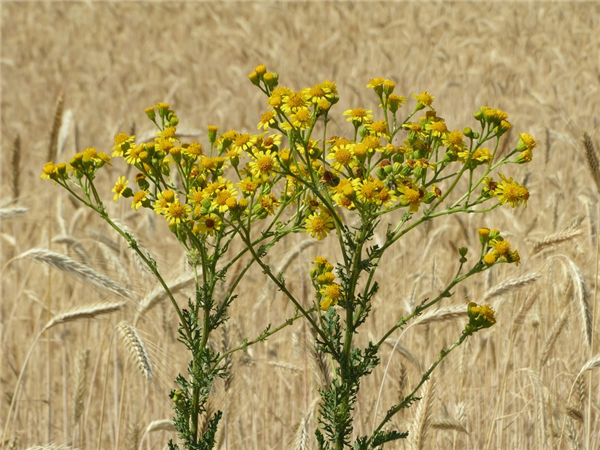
(592, 158)
(135, 345)
(68, 265)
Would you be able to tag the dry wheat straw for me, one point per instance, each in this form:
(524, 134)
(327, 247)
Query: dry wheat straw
(510, 285)
(50, 447)
(80, 384)
(56, 124)
(136, 347)
(16, 171)
(66, 264)
(9, 213)
(592, 158)
(559, 325)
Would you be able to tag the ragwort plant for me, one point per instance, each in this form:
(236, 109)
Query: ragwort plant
(192, 189)
(324, 184)
(363, 180)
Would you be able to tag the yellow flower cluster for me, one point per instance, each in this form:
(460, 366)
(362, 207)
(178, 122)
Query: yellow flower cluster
(250, 176)
(330, 293)
(496, 248)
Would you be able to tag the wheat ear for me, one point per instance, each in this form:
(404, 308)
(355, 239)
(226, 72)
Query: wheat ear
(56, 123)
(592, 158)
(9, 213)
(15, 166)
(422, 421)
(80, 384)
(135, 345)
(68, 265)
(510, 285)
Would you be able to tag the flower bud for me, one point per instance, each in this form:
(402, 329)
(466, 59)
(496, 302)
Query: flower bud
(254, 79)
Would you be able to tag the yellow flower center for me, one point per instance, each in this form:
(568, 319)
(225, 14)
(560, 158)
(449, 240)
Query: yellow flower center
(503, 247)
(368, 190)
(222, 198)
(412, 196)
(379, 126)
(318, 224)
(295, 101)
(439, 127)
(343, 156)
(303, 115)
(265, 164)
(176, 210)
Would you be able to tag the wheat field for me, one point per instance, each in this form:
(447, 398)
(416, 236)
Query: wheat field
(103, 341)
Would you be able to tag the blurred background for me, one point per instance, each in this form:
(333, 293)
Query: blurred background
(91, 68)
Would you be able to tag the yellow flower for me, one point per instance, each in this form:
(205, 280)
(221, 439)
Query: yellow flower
(293, 102)
(437, 128)
(526, 142)
(267, 120)
(193, 150)
(140, 199)
(358, 115)
(269, 202)
(120, 186)
(48, 171)
(175, 213)
(377, 85)
(301, 119)
(511, 192)
(134, 154)
(367, 191)
(424, 99)
(378, 128)
(319, 224)
(342, 156)
(122, 143)
(332, 294)
(409, 196)
(480, 316)
(208, 224)
(247, 186)
(317, 93)
(243, 142)
(264, 165)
